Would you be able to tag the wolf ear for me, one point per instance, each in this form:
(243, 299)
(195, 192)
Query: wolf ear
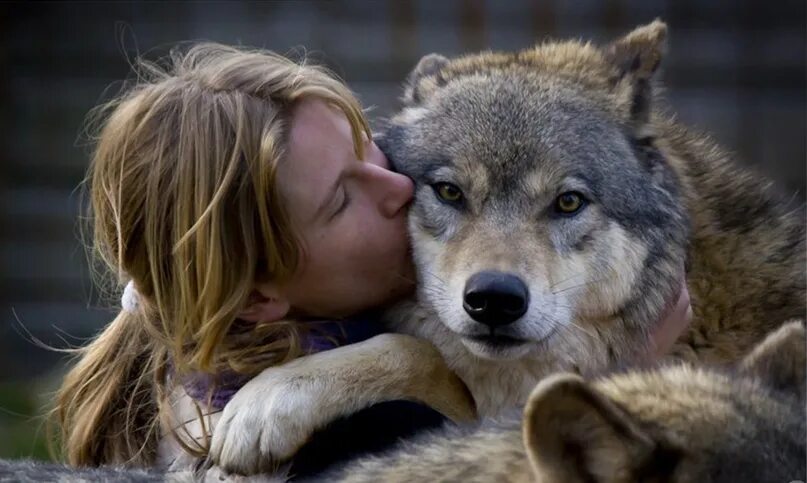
(780, 359)
(424, 79)
(636, 58)
(574, 433)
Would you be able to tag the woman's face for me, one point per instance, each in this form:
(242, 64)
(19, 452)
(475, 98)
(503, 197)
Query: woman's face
(350, 215)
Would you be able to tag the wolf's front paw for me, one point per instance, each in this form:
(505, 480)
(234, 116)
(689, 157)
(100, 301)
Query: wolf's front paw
(262, 426)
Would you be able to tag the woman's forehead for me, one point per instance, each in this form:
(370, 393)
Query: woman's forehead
(320, 147)
(313, 119)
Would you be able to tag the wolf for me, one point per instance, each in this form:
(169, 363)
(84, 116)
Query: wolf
(559, 210)
(679, 423)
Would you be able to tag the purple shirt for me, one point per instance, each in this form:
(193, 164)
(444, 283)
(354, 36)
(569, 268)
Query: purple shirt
(216, 390)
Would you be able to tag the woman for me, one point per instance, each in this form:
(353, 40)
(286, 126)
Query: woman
(239, 193)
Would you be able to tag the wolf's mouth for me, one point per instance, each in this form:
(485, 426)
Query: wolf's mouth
(496, 346)
(495, 340)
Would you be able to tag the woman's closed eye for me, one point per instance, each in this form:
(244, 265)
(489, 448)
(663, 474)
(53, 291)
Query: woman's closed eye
(343, 205)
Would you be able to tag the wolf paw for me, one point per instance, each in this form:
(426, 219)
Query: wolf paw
(261, 427)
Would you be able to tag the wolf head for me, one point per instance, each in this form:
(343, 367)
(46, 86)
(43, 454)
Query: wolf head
(676, 424)
(545, 219)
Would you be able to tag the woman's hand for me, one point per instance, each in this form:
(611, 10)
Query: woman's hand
(674, 322)
(275, 413)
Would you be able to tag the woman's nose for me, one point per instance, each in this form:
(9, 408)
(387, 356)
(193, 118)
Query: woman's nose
(392, 191)
(396, 192)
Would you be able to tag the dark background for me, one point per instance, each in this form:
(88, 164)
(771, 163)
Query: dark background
(734, 68)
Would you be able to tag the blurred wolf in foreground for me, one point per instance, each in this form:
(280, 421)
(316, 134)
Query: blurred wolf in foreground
(558, 212)
(675, 424)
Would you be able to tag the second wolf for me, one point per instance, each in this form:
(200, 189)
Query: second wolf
(676, 424)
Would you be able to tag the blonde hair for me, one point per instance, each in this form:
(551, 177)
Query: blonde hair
(183, 203)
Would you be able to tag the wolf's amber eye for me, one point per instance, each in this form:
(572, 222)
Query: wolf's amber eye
(569, 203)
(448, 192)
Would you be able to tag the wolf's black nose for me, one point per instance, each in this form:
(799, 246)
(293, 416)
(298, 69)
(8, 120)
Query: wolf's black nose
(495, 298)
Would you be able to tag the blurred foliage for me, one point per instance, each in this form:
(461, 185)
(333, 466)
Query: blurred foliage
(22, 420)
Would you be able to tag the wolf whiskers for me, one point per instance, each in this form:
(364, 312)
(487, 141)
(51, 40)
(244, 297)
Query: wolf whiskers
(609, 269)
(434, 291)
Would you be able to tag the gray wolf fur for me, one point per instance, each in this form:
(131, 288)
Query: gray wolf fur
(28, 470)
(498, 144)
(679, 423)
